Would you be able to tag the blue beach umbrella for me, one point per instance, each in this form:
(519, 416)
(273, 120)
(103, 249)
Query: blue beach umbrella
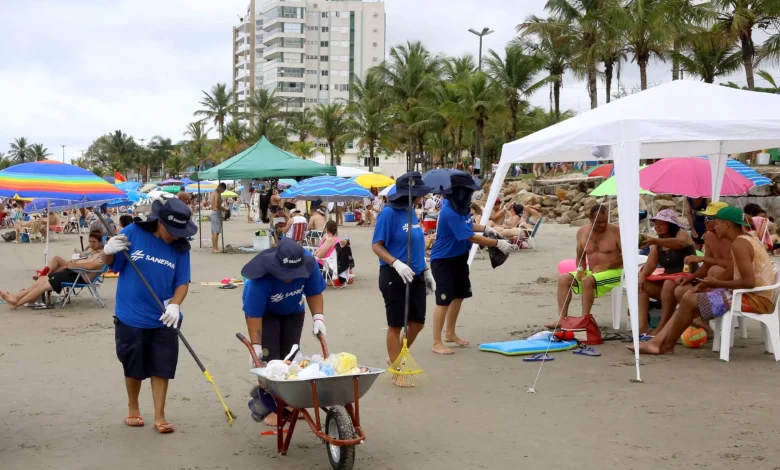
(439, 179)
(329, 188)
(757, 178)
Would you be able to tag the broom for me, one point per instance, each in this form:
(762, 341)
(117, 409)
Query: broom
(404, 371)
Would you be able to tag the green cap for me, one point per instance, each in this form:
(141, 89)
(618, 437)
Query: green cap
(732, 214)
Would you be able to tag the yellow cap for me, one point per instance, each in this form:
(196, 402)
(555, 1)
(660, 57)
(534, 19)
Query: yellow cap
(713, 208)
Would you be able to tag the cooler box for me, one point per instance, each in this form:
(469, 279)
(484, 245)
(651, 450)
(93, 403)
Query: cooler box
(349, 217)
(428, 225)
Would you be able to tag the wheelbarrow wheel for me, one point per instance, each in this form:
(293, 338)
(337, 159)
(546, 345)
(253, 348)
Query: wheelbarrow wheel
(338, 425)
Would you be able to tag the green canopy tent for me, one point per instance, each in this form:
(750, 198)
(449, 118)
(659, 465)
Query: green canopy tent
(263, 160)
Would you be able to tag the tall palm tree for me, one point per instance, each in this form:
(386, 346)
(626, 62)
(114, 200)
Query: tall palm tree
(332, 126)
(217, 106)
(160, 150)
(304, 149)
(685, 17)
(515, 75)
(739, 18)
(710, 54)
(646, 33)
(302, 123)
(174, 165)
(369, 119)
(236, 128)
(38, 152)
(5, 162)
(198, 142)
(454, 68)
(262, 108)
(19, 150)
(121, 149)
(555, 53)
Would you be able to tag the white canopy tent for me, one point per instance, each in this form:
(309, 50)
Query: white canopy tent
(677, 119)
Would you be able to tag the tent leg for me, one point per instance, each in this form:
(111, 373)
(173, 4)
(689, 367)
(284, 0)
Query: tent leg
(46, 251)
(200, 228)
(223, 223)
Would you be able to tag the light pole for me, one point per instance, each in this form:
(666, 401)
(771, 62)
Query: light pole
(485, 31)
(63, 153)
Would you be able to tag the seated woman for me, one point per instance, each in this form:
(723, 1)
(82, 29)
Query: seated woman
(476, 213)
(497, 215)
(669, 251)
(511, 219)
(530, 214)
(36, 226)
(328, 242)
(62, 272)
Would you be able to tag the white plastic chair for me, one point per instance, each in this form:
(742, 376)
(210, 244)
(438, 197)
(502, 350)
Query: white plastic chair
(617, 297)
(329, 270)
(770, 322)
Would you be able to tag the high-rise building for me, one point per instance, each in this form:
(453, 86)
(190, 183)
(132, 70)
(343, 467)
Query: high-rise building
(307, 51)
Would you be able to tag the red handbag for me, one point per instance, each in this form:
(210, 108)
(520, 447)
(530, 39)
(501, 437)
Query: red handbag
(585, 329)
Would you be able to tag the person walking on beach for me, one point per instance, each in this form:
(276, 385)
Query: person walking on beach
(390, 243)
(147, 344)
(215, 200)
(450, 258)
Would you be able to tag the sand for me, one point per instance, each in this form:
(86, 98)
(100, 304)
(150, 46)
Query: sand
(63, 398)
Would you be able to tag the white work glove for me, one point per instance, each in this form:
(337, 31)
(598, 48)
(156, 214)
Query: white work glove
(505, 246)
(430, 284)
(116, 244)
(404, 271)
(259, 352)
(171, 316)
(318, 326)
(490, 231)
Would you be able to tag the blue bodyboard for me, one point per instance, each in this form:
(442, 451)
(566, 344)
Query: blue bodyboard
(523, 347)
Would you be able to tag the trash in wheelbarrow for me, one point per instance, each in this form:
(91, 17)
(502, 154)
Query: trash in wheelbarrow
(305, 368)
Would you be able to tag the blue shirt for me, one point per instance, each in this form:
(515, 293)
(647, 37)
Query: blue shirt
(271, 295)
(391, 229)
(160, 263)
(452, 233)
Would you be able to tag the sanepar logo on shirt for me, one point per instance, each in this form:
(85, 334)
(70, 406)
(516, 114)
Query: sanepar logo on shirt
(406, 227)
(138, 255)
(281, 296)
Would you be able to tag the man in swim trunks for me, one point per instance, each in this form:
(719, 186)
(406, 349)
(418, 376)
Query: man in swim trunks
(600, 242)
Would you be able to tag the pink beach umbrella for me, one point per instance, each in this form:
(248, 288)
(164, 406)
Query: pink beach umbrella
(690, 176)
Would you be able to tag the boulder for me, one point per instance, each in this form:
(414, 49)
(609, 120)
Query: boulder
(661, 204)
(549, 202)
(579, 197)
(562, 194)
(579, 223)
(577, 207)
(557, 211)
(564, 207)
(523, 196)
(573, 215)
(564, 219)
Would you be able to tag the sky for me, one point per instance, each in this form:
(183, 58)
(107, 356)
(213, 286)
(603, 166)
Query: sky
(73, 70)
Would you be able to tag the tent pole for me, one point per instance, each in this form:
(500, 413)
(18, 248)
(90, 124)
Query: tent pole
(200, 229)
(219, 181)
(46, 251)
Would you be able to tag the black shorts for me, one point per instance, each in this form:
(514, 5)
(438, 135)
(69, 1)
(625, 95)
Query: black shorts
(280, 333)
(394, 292)
(56, 279)
(147, 352)
(452, 278)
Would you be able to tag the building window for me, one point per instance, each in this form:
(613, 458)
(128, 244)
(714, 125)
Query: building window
(311, 28)
(312, 57)
(324, 14)
(311, 72)
(324, 73)
(311, 43)
(313, 86)
(374, 59)
(323, 43)
(323, 58)
(367, 160)
(324, 29)
(324, 87)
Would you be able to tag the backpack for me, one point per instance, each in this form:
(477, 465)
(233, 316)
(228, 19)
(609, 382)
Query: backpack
(585, 329)
(9, 236)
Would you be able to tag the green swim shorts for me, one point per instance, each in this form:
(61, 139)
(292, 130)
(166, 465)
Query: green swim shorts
(605, 281)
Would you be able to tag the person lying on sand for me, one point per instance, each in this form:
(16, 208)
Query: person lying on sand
(711, 298)
(600, 242)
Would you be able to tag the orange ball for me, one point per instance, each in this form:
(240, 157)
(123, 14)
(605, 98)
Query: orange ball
(694, 337)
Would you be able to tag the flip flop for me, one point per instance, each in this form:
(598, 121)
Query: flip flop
(613, 337)
(139, 423)
(642, 337)
(228, 286)
(539, 357)
(587, 352)
(164, 428)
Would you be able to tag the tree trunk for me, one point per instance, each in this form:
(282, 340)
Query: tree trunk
(748, 52)
(371, 157)
(643, 73)
(592, 85)
(513, 111)
(557, 98)
(455, 147)
(608, 68)
(332, 157)
(420, 144)
(675, 61)
(480, 125)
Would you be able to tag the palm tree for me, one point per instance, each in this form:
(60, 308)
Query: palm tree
(174, 165)
(332, 126)
(236, 128)
(456, 67)
(5, 162)
(121, 149)
(369, 120)
(302, 123)
(161, 149)
(217, 106)
(19, 150)
(439, 145)
(515, 76)
(686, 18)
(739, 18)
(646, 32)
(303, 148)
(263, 107)
(769, 78)
(198, 143)
(38, 152)
(710, 54)
(555, 54)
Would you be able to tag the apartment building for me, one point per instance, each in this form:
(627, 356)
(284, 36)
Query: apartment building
(307, 51)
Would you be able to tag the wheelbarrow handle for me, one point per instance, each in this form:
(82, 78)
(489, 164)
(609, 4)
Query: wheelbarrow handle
(246, 342)
(324, 345)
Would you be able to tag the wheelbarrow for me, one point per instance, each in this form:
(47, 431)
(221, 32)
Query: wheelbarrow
(338, 397)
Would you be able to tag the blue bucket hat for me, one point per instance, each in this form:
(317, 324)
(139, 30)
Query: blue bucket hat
(403, 182)
(287, 261)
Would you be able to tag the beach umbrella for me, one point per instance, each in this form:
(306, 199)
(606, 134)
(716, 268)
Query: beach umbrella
(329, 188)
(373, 180)
(690, 176)
(128, 186)
(387, 191)
(229, 194)
(746, 171)
(148, 187)
(204, 188)
(170, 189)
(605, 171)
(349, 172)
(439, 179)
(609, 187)
(286, 182)
(170, 181)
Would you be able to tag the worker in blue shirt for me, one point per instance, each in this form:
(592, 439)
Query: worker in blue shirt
(455, 232)
(390, 243)
(146, 341)
(278, 281)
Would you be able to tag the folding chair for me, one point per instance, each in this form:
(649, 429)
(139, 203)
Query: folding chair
(529, 240)
(312, 240)
(329, 269)
(83, 282)
(297, 232)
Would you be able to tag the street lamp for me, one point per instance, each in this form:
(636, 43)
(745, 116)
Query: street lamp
(63, 153)
(485, 31)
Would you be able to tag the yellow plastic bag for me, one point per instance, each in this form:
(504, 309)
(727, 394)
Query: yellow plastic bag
(344, 362)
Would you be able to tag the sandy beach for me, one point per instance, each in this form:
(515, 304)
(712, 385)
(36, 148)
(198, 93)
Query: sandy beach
(63, 397)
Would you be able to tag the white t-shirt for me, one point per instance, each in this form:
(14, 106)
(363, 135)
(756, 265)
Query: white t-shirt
(298, 219)
(430, 204)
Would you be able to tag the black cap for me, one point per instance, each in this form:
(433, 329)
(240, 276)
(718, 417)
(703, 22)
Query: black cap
(402, 186)
(175, 216)
(463, 180)
(287, 261)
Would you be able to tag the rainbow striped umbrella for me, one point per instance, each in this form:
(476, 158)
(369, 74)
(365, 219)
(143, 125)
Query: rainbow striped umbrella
(56, 181)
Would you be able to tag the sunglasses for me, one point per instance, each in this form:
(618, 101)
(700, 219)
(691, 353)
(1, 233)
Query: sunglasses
(709, 218)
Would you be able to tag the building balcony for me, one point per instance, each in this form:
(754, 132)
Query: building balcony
(273, 37)
(274, 52)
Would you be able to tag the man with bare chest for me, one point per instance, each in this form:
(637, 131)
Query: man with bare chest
(599, 270)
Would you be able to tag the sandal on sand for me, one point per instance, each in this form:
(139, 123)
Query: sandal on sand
(134, 421)
(164, 428)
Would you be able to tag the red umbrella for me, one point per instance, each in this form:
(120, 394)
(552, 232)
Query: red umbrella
(605, 171)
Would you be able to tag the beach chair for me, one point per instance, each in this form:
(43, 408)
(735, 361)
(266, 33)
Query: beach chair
(297, 232)
(312, 240)
(617, 297)
(329, 269)
(84, 282)
(770, 322)
(529, 240)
